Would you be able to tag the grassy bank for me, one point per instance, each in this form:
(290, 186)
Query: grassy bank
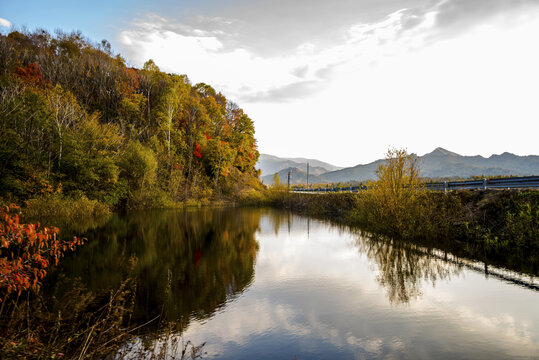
(78, 213)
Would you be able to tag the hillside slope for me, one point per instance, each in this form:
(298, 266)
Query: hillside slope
(440, 163)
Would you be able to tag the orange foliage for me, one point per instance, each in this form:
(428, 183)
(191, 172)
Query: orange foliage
(32, 74)
(130, 83)
(26, 251)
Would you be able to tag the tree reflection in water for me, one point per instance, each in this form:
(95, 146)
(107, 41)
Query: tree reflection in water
(189, 263)
(403, 266)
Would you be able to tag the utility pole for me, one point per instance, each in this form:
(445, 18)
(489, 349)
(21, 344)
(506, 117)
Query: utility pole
(307, 175)
(288, 180)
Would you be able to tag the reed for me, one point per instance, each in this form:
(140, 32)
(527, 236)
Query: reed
(70, 208)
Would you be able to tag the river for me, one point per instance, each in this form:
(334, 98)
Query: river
(268, 284)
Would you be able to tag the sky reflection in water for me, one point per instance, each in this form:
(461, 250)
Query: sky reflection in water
(323, 292)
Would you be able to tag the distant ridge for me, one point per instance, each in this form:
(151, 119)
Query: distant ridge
(297, 176)
(270, 164)
(440, 163)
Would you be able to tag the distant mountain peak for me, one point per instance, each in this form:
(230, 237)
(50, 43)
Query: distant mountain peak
(506, 154)
(439, 151)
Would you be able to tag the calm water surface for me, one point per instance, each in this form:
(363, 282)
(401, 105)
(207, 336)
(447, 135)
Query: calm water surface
(264, 284)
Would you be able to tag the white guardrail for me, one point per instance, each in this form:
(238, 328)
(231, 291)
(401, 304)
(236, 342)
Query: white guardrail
(525, 182)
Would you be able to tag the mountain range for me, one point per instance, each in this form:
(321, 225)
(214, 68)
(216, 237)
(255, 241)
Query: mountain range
(438, 164)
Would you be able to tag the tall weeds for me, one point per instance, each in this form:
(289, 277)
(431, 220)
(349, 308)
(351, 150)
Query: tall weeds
(78, 324)
(59, 206)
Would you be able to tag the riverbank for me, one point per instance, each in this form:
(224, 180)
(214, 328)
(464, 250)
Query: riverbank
(497, 226)
(80, 213)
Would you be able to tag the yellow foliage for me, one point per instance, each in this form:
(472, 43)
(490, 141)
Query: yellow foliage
(397, 193)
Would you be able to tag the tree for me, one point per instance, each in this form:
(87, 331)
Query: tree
(90, 165)
(65, 111)
(398, 176)
(139, 165)
(276, 180)
(396, 192)
(172, 107)
(218, 157)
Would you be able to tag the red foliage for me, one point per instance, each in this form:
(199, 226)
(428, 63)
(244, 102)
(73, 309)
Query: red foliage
(32, 74)
(198, 256)
(208, 137)
(27, 251)
(198, 151)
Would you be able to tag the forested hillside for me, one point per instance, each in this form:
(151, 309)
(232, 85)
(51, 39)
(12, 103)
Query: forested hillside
(76, 121)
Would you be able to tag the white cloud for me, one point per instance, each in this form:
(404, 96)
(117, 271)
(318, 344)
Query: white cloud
(404, 81)
(5, 23)
(201, 54)
(198, 55)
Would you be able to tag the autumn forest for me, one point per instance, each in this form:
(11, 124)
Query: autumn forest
(78, 123)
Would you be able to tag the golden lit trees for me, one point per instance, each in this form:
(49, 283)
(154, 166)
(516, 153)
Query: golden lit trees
(396, 192)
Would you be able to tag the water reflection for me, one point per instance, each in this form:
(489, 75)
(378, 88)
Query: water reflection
(315, 290)
(403, 267)
(324, 292)
(188, 263)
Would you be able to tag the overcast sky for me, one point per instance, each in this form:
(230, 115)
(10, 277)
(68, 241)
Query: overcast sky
(340, 81)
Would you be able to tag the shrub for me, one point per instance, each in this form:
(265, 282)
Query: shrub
(26, 251)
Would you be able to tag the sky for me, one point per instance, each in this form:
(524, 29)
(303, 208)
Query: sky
(340, 81)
